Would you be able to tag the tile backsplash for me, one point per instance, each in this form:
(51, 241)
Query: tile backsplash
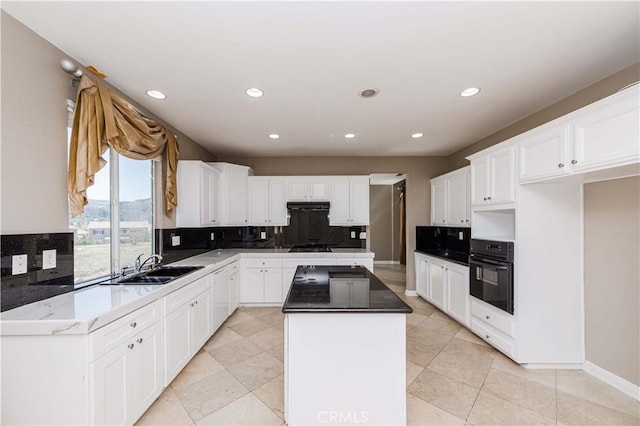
(36, 283)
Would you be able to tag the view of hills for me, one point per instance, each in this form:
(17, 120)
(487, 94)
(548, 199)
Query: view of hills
(98, 210)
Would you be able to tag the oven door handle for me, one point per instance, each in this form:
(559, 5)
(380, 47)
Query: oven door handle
(488, 264)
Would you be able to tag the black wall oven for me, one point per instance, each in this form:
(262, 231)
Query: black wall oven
(491, 272)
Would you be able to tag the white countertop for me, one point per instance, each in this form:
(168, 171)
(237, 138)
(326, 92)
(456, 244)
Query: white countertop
(85, 310)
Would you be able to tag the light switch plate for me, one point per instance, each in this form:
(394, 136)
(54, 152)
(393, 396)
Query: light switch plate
(175, 240)
(213, 236)
(363, 235)
(353, 234)
(263, 235)
(19, 264)
(461, 235)
(48, 259)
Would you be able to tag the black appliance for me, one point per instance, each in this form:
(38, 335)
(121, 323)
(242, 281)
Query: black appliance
(491, 272)
(319, 248)
(444, 241)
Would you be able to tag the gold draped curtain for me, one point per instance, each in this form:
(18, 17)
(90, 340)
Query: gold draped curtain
(103, 119)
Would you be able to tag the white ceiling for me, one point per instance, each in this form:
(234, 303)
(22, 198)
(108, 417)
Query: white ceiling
(312, 59)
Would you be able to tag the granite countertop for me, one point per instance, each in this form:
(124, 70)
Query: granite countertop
(341, 289)
(89, 308)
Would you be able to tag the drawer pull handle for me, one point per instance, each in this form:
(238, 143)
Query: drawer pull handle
(485, 198)
(487, 336)
(139, 340)
(574, 161)
(487, 317)
(130, 346)
(196, 302)
(560, 165)
(133, 325)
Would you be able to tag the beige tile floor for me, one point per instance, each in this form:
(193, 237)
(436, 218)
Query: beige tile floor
(452, 378)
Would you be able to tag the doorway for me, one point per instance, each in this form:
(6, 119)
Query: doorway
(387, 227)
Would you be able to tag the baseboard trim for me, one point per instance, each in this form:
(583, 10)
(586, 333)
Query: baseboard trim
(411, 293)
(553, 366)
(386, 262)
(609, 378)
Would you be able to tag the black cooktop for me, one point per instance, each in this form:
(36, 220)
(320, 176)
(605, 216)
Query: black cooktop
(319, 248)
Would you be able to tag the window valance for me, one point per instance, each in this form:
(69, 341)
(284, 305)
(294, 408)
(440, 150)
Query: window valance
(102, 119)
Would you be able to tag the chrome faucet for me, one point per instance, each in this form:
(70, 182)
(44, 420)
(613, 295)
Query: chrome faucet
(139, 265)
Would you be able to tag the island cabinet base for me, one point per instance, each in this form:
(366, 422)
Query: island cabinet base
(345, 368)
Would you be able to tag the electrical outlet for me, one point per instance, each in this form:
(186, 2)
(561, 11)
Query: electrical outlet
(19, 264)
(461, 235)
(263, 235)
(213, 236)
(175, 240)
(353, 234)
(48, 259)
(363, 235)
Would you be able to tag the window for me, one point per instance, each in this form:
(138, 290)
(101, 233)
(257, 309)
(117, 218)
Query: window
(117, 224)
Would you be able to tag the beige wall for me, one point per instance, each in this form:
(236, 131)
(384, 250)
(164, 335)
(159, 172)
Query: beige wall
(33, 150)
(596, 91)
(418, 170)
(380, 217)
(612, 276)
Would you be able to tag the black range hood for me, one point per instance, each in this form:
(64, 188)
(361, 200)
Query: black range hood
(308, 206)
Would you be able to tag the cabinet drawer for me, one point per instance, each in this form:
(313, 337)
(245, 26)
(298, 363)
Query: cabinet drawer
(502, 322)
(493, 337)
(180, 297)
(262, 263)
(293, 263)
(232, 268)
(121, 330)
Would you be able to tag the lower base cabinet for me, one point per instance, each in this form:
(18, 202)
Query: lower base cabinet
(220, 298)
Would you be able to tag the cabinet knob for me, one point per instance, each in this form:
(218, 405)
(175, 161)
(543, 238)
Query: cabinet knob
(488, 198)
(245, 220)
(461, 220)
(560, 165)
(130, 346)
(139, 340)
(443, 221)
(191, 304)
(133, 325)
(487, 317)
(485, 198)
(467, 220)
(487, 336)
(574, 161)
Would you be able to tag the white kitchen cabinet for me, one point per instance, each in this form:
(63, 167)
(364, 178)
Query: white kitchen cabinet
(495, 326)
(437, 284)
(352, 292)
(457, 300)
(261, 281)
(308, 188)
(268, 201)
(187, 323)
(128, 378)
(234, 292)
(234, 193)
(600, 136)
(199, 192)
(349, 201)
(422, 275)
(450, 199)
(493, 177)
(220, 298)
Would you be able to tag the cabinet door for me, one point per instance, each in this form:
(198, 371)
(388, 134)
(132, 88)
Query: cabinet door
(277, 202)
(200, 320)
(259, 210)
(422, 276)
(252, 288)
(237, 196)
(319, 189)
(339, 209)
(437, 284)
(207, 211)
(147, 368)
(297, 188)
(177, 343)
(607, 134)
(273, 285)
(501, 172)
(359, 200)
(113, 387)
(438, 202)
(220, 299)
(458, 208)
(234, 292)
(479, 181)
(458, 295)
(545, 155)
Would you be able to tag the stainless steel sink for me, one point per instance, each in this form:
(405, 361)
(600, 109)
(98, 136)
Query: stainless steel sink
(158, 276)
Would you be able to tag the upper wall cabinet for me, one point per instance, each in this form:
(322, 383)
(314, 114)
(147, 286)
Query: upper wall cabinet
(599, 137)
(199, 195)
(234, 193)
(350, 201)
(308, 188)
(267, 200)
(450, 199)
(493, 177)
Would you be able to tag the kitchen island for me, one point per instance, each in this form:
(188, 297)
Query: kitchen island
(345, 348)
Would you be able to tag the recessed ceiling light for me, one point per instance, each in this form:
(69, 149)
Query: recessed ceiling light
(350, 135)
(274, 136)
(368, 93)
(156, 94)
(417, 135)
(254, 92)
(470, 91)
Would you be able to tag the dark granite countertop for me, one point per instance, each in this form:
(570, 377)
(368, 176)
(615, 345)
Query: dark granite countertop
(448, 255)
(341, 289)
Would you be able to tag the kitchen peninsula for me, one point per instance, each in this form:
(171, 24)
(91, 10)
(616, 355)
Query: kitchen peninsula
(344, 348)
